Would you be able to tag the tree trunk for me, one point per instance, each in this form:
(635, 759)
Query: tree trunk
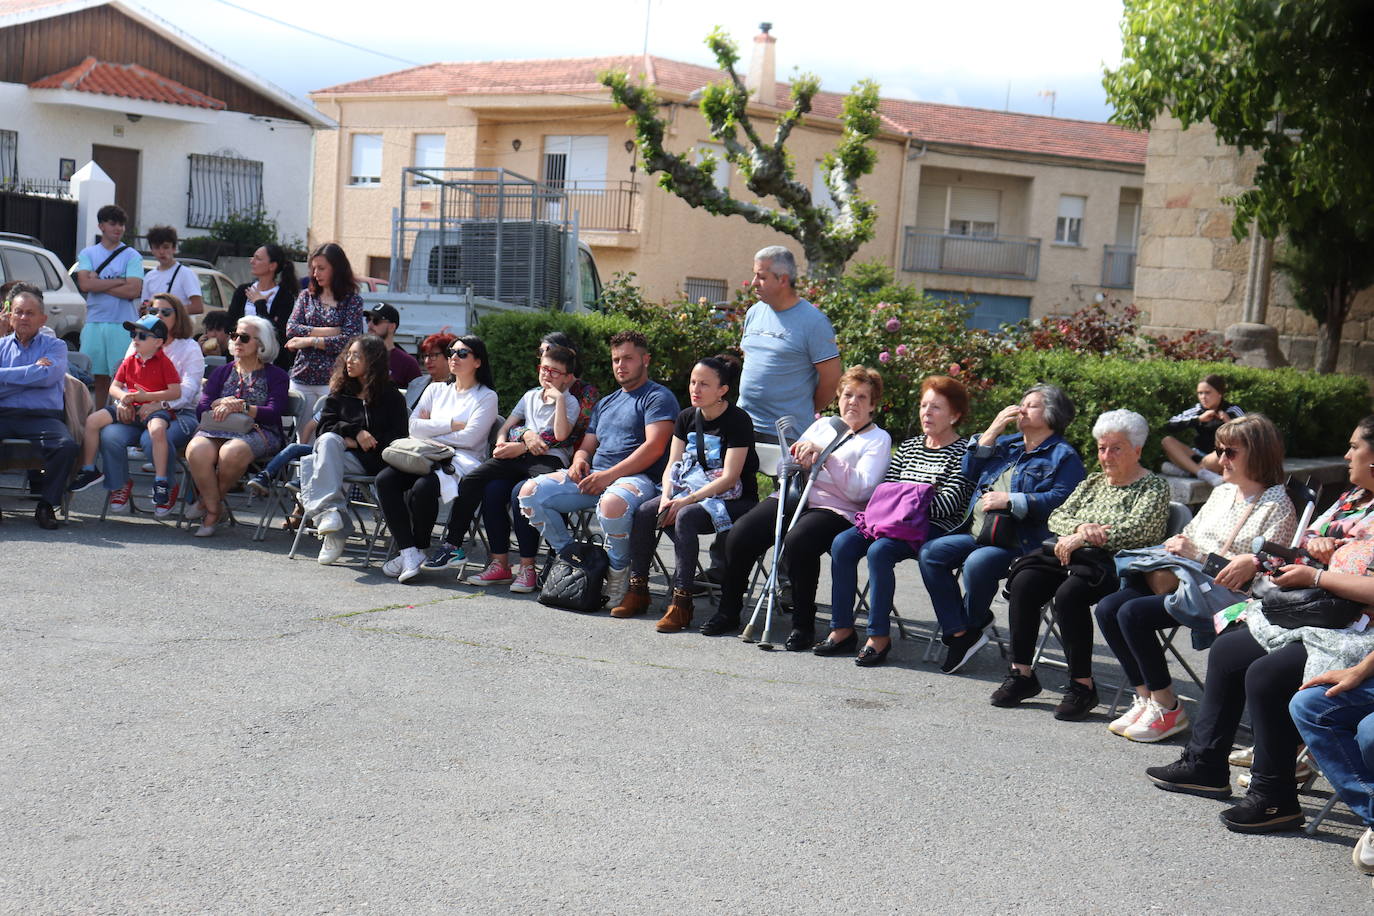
(1329, 331)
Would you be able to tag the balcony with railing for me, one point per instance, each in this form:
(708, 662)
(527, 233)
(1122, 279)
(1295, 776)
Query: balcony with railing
(1014, 257)
(1118, 266)
(602, 206)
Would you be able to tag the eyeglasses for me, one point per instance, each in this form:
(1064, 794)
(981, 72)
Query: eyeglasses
(1227, 452)
(551, 370)
(140, 335)
(460, 352)
(432, 354)
(241, 338)
(164, 312)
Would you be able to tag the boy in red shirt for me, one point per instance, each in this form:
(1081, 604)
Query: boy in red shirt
(146, 376)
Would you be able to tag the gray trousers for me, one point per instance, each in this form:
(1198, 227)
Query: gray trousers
(322, 476)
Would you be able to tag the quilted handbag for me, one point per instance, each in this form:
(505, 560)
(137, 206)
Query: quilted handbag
(576, 577)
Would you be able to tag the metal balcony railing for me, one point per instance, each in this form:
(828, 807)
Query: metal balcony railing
(604, 206)
(1016, 257)
(1118, 266)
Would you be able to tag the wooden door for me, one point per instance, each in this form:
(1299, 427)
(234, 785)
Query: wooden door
(122, 166)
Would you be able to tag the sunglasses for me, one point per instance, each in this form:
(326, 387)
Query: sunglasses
(242, 338)
(1225, 452)
(164, 312)
(460, 352)
(141, 335)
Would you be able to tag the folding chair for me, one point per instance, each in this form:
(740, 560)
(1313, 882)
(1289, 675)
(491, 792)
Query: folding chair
(180, 487)
(369, 524)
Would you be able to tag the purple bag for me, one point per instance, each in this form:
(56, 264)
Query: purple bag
(897, 510)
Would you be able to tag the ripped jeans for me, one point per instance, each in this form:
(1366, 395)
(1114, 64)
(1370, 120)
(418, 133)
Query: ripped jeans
(555, 494)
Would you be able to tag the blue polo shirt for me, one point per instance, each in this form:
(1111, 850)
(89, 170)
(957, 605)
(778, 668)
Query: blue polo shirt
(25, 385)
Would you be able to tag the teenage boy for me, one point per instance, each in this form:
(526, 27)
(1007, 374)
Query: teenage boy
(110, 273)
(170, 275)
(383, 321)
(146, 376)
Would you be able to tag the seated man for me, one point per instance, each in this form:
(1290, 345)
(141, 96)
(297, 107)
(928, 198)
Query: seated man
(618, 464)
(33, 367)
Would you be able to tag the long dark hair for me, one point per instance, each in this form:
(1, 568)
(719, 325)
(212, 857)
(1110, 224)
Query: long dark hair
(342, 285)
(287, 284)
(479, 350)
(369, 386)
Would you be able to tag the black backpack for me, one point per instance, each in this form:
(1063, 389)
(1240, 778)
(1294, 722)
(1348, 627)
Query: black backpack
(574, 581)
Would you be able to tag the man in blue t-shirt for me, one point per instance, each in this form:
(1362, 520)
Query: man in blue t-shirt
(618, 464)
(110, 273)
(791, 360)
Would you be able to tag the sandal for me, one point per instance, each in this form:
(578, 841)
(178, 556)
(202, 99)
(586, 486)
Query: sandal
(293, 521)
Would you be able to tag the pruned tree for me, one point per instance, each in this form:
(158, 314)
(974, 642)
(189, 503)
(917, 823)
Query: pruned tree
(1327, 263)
(829, 238)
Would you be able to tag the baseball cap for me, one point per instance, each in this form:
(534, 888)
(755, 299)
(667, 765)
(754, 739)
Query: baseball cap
(385, 312)
(150, 323)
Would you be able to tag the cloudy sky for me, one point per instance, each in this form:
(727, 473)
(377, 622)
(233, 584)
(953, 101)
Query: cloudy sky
(983, 53)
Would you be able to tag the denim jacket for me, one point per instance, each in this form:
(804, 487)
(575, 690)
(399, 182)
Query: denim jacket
(1041, 480)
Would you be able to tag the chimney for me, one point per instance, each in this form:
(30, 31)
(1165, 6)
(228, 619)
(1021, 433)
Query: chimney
(762, 83)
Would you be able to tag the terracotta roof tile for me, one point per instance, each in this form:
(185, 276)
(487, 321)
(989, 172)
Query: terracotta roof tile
(128, 81)
(925, 121)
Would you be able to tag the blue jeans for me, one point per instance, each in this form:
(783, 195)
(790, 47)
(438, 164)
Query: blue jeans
(116, 438)
(883, 556)
(1339, 732)
(983, 567)
(284, 457)
(554, 494)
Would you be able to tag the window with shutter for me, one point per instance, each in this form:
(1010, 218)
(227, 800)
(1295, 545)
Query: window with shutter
(974, 211)
(1068, 228)
(367, 160)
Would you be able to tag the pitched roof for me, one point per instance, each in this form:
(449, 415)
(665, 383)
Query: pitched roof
(129, 81)
(926, 122)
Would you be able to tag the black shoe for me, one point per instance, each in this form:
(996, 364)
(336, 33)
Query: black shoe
(85, 479)
(871, 657)
(1079, 700)
(720, 625)
(843, 647)
(1190, 778)
(45, 517)
(961, 649)
(1015, 688)
(800, 639)
(1257, 814)
(715, 575)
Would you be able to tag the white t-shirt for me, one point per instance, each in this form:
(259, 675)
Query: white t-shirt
(262, 309)
(476, 407)
(538, 416)
(185, 285)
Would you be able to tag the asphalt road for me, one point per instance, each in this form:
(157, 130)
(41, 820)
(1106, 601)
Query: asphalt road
(209, 726)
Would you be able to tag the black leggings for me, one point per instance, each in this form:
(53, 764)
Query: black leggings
(1130, 621)
(410, 504)
(1241, 673)
(752, 537)
(1073, 599)
(490, 486)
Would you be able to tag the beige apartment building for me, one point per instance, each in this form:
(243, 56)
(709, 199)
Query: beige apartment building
(1026, 215)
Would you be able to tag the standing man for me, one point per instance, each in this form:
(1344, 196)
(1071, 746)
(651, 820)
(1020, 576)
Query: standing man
(170, 275)
(791, 361)
(33, 367)
(110, 273)
(383, 321)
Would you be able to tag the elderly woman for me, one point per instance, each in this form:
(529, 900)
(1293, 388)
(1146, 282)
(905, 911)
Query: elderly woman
(843, 485)
(1122, 507)
(328, 314)
(434, 360)
(458, 414)
(1022, 478)
(1261, 666)
(934, 457)
(1169, 585)
(116, 438)
(222, 449)
(363, 414)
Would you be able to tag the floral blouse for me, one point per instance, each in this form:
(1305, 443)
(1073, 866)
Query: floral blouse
(1137, 513)
(313, 366)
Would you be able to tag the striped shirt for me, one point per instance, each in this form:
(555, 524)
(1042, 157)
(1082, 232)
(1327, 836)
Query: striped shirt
(916, 462)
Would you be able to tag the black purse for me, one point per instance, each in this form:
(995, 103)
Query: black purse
(1291, 608)
(999, 530)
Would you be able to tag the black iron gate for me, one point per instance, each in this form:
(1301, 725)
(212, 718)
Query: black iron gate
(48, 217)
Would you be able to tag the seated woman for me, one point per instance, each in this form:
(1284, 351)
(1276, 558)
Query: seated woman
(1167, 585)
(459, 414)
(585, 392)
(362, 415)
(1124, 506)
(698, 497)
(1261, 666)
(434, 360)
(251, 385)
(842, 488)
(1023, 476)
(934, 457)
(1204, 418)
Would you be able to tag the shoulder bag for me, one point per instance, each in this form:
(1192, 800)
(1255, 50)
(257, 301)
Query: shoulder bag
(417, 456)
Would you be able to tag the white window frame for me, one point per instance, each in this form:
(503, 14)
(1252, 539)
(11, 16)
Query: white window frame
(1068, 227)
(426, 154)
(363, 149)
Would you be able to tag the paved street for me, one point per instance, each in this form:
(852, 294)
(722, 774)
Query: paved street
(209, 726)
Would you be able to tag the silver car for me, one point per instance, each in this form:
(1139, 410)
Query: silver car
(23, 257)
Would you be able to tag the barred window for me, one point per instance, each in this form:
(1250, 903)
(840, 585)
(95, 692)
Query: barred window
(713, 291)
(9, 157)
(221, 187)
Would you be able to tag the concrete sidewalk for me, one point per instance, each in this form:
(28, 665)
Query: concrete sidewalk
(205, 725)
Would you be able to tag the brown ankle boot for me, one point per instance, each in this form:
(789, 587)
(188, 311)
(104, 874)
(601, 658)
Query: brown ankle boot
(678, 617)
(636, 600)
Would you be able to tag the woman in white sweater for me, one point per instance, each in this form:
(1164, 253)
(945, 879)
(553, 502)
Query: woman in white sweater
(459, 414)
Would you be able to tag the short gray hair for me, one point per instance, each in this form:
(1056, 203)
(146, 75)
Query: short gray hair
(1127, 422)
(1059, 410)
(780, 261)
(266, 335)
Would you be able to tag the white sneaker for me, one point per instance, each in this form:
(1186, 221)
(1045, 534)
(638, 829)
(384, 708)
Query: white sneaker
(614, 588)
(1119, 725)
(329, 522)
(1363, 853)
(1169, 469)
(1158, 723)
(332, 549)
(411, 560)
(1242, 757)
(392, 568)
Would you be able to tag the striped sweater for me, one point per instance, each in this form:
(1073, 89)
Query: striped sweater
(916, 462)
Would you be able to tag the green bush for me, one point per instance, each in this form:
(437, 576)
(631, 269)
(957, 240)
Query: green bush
(512, 339)
(1314, 412)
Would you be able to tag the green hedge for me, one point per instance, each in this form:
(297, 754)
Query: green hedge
(1315, 413)
(512, 339)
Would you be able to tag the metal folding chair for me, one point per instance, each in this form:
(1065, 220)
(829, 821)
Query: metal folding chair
(369, 534)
